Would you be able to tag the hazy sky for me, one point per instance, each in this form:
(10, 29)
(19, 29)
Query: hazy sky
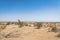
(30, 10)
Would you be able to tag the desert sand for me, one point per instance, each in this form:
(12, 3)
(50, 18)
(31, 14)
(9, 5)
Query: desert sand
(28, 33)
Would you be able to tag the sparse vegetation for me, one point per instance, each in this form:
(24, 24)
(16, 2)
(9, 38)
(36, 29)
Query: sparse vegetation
(54, 29)
(58, 35)
(8, 23)
(58, 31)
(26, 24)
(28, 31)
(2, 27)
(39, 25)
(20, 23)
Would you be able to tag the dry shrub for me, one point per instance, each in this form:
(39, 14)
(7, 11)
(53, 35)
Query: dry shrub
(2, 28)
(26, 24)
(58, 35)
(39, 25)
(54, 29)
(8, 23)
(58, 31)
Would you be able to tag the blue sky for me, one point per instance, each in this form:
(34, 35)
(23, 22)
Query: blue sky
(30, 10)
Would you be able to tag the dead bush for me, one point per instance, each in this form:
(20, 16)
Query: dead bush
(54, 29)
(39, 25)
(58, 35)
(2, 27)
(8, 23)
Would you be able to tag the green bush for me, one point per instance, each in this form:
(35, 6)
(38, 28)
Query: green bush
(20, 23)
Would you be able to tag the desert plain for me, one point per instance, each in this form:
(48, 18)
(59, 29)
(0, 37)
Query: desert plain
(28, 31)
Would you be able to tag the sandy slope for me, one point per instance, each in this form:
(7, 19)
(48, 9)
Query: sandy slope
(29, 33)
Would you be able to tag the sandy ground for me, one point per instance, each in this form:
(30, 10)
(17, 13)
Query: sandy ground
(29, 33)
